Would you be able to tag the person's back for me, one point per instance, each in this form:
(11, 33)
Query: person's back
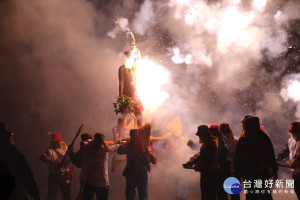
(94, 173)
(9, 156)
(137, 167)
(95, 165)
(7, 182)
(255, 156)
(14, 161)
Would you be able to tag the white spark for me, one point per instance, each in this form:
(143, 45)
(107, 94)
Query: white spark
(150, 79)
(259, 4)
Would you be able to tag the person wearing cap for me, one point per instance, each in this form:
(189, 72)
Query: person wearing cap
(254, 157)
(75, 158)
(127, 87)
(59, 174)
(206, 162)
(16, 177)
(94, 165)
(139, 157)
(292, 151)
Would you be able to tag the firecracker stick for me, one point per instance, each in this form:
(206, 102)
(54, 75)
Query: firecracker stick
(283, 165)
(72, 143)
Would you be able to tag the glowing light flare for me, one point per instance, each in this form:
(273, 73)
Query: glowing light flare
(178, 58)
(192, 15)
(210, 24)
(293, 90)
(129, 62)
(122, 23)
(150, 79)
(259, 4)
(234, 29)
(236, 2)
(134, 56)
(196, 14)
(180, 2)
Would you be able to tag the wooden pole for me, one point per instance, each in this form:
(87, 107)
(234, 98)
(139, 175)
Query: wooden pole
(72, 143)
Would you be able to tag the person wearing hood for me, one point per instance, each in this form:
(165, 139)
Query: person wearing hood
(292, 151)
(254, 157)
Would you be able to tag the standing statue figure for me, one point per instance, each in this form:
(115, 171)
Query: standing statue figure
(127, 87)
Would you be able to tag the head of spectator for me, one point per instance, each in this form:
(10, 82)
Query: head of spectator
(99, 138)
(295, 130)
(251, 125)
(205, 136)
(214, 129)
(86, 137)
(202, 131)
(226, 129)
(55, 140)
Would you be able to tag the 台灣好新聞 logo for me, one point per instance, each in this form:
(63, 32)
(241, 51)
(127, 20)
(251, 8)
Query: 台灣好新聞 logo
(232, 186)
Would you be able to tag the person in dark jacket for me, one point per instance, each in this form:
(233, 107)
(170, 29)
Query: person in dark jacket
(137, 167)
(7, 182)
(94, 172)
(254, 157)
(76, 158)
(207, 163)
(15, 166)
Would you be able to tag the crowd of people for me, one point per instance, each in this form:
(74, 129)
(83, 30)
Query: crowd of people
(221, 155)
(248, 158)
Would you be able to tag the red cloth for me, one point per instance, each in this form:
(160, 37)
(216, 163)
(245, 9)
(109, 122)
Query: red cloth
(56, 137)
(135, 147)
(138, 108)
